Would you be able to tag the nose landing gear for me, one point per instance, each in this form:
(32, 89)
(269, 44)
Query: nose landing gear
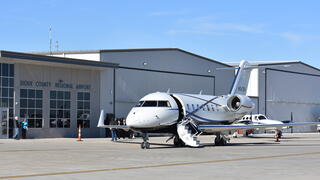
(145, 144)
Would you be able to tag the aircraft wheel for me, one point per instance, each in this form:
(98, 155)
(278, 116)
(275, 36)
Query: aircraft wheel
(145, 145)
(220, 142)
(217, 141)
(223, 142)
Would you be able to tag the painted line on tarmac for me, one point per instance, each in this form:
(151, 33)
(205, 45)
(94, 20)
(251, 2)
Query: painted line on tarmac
(160, 165)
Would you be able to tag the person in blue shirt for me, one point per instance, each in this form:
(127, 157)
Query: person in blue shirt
(24, 125)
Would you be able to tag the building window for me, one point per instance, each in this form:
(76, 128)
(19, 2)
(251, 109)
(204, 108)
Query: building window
(6, 87)
(60, 105)
(31, 107)
(83, 109)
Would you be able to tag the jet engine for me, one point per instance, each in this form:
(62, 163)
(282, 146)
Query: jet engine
(236, 102)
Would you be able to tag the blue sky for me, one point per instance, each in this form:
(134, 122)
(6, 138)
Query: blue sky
(228, 31)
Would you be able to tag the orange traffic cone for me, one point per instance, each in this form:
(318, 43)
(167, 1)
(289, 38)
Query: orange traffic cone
(79, 133)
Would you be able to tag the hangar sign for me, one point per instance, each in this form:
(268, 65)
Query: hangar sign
(59, 84)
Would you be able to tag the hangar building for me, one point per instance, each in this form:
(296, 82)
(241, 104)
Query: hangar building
(66, 89)
(286, 90)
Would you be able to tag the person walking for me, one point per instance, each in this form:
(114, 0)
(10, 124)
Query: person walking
(17, 128)
(24, 125)
(113, 130)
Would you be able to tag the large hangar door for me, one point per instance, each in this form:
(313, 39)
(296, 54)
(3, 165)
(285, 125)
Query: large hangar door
(131, 85)
(298, 93)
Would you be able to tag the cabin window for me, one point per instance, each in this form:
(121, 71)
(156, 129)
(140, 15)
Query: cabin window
(193, 108)
(149, 104)
(164, 104)
(140, 104)
(197, 106)
(188, 107)
(212, 107)
(262, 117)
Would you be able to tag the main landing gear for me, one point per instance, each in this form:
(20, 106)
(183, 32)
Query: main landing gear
(278, 135)
(221, 140)
(145, 144)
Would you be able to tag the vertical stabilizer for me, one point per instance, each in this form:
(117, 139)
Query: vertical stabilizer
(240, 83)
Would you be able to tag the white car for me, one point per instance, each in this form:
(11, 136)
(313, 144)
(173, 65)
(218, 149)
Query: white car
(318, 127)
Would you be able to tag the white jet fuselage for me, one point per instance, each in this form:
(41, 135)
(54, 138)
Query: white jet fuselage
(159, 110)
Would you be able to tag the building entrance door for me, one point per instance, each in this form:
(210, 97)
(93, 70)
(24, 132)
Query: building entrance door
(4, 123)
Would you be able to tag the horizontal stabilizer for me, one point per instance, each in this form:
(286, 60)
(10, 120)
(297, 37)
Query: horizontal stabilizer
(102, 125)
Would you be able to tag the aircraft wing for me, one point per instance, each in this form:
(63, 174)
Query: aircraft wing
(124, 127)
(221, 128)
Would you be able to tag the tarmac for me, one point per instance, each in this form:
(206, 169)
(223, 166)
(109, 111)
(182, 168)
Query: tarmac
(297, 156)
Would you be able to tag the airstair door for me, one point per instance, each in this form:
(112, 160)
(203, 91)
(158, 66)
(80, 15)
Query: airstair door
(4, 123)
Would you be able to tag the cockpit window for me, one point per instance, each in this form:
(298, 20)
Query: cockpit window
(140, 104)
(261, 117)
(153, 104)
(163, 104)
(149, 104)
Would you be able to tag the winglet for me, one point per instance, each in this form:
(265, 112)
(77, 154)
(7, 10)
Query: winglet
(101, 119)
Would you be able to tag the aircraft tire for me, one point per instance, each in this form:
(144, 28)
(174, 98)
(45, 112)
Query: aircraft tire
(145, 145)
(220, 142)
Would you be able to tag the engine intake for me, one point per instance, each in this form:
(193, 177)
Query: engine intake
(234, 103)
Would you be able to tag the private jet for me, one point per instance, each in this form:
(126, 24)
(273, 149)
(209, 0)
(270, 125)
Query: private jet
(256, 119)
(187, 116)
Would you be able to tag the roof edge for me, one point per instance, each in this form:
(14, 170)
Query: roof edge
(283, 63)
(64, 52)
(165, 49)
(54, 59)
(131, 50)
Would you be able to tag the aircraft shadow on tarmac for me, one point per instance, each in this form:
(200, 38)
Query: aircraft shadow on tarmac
(269, 137)
(203, 145)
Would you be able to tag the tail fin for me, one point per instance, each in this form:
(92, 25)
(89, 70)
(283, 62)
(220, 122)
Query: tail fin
(240, 83)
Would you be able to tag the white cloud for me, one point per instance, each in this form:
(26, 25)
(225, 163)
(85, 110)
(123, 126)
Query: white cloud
(209, 25)
(293, 37)
(296, 38)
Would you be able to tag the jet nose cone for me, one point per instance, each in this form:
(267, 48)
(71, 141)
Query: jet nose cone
(130, 120)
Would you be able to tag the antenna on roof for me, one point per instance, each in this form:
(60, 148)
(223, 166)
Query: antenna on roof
(50, 40)
(57, 45)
